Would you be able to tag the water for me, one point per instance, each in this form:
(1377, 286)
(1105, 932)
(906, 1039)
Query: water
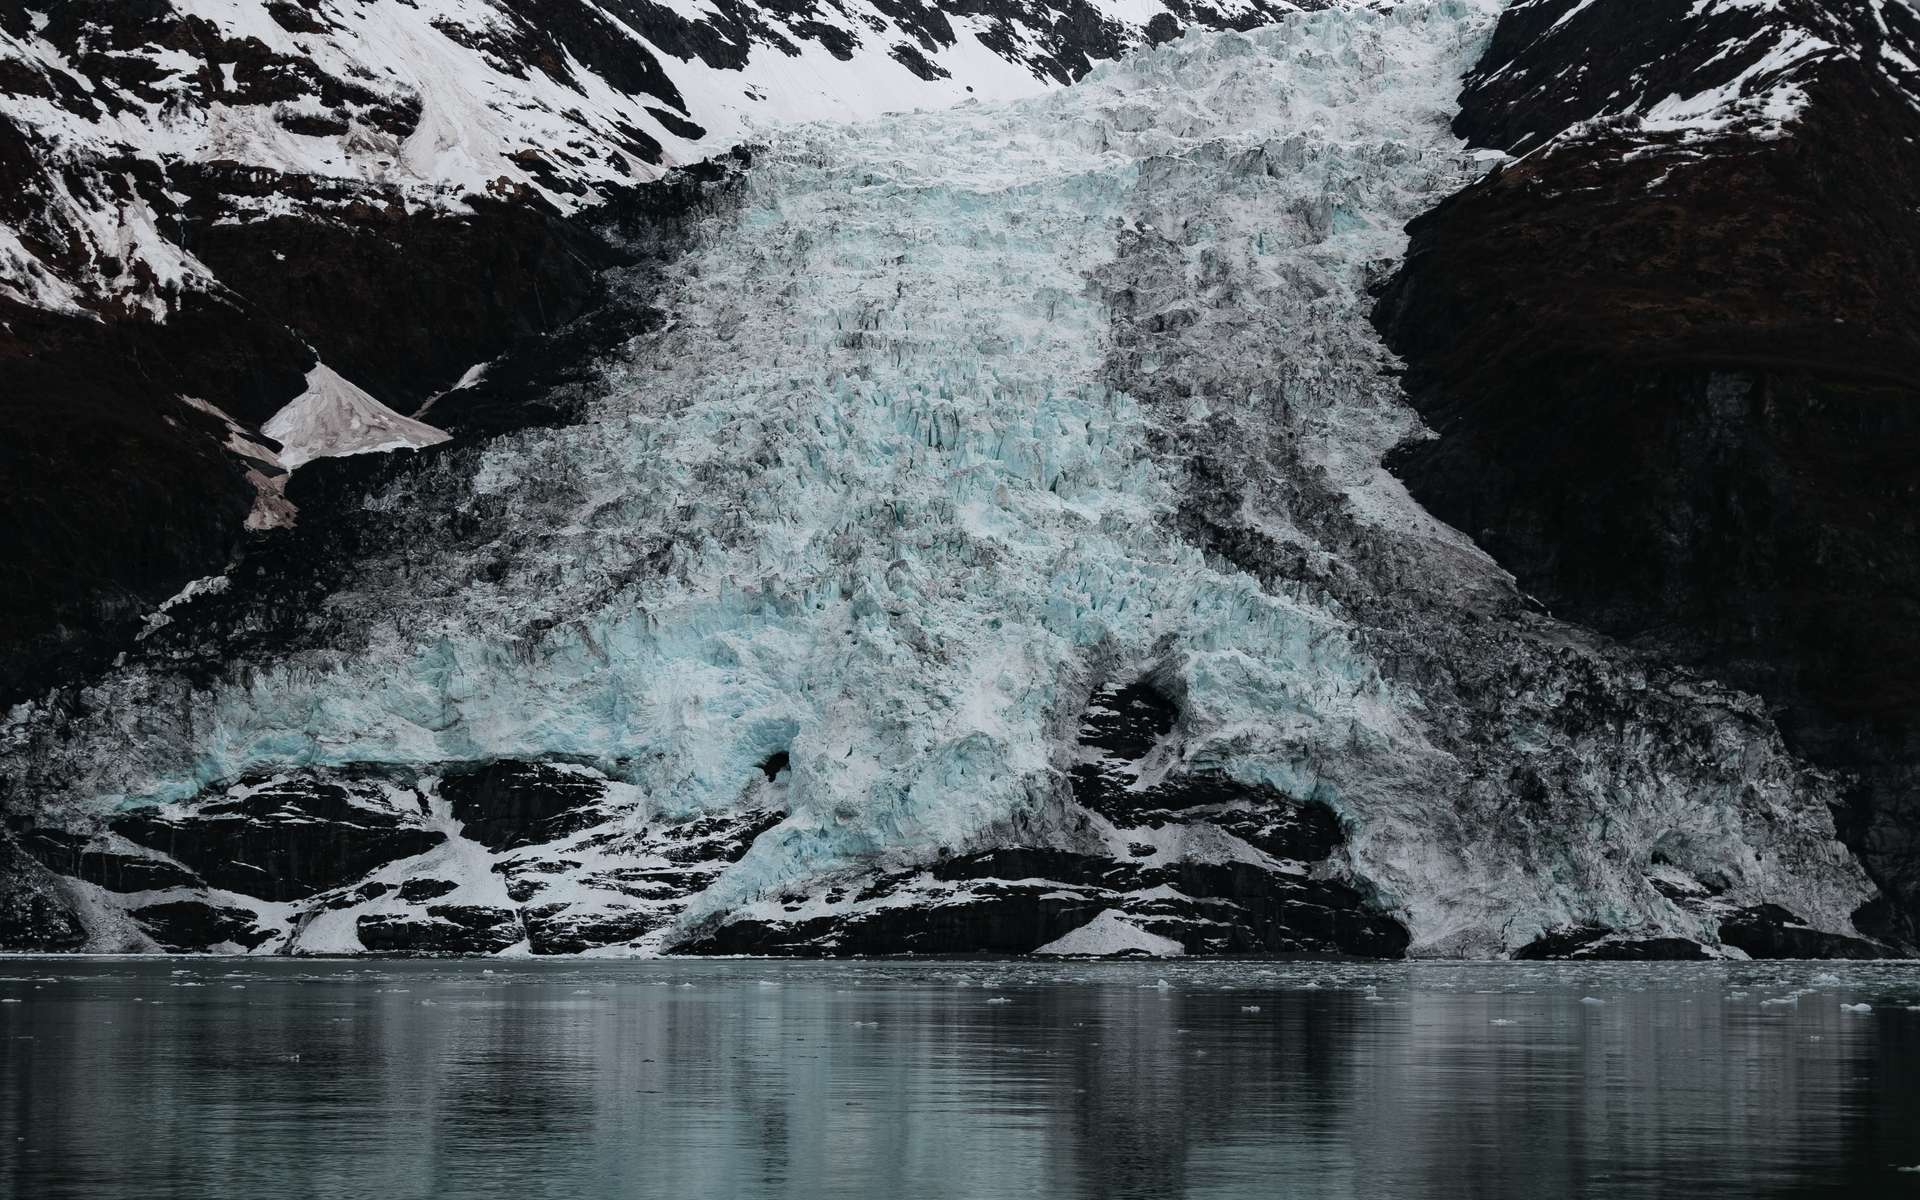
(214, 1078)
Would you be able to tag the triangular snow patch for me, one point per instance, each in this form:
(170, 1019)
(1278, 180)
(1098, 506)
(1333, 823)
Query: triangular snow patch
(334, 418)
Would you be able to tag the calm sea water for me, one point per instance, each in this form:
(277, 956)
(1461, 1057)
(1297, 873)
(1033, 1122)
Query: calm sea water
(213, 1079)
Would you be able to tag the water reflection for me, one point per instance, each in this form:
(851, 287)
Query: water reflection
(749, 1079)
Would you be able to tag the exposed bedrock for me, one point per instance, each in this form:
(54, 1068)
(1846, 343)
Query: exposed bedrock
(507, 804)
(1166, 860)
(1671, 359)
(199, 925)
(282, 839)
(441, 929)
(1598, 943)
(1770, 931)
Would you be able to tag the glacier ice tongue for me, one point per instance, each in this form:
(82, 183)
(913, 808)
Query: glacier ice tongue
(904, 480)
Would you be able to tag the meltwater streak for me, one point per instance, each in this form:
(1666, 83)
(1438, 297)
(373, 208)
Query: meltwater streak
(749, 1079)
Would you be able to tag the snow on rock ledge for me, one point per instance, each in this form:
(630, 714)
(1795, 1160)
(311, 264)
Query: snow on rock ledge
(333, 418)
(1111, 934)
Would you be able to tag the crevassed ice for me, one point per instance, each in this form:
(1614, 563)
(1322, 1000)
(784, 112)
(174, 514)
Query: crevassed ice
(868, 499)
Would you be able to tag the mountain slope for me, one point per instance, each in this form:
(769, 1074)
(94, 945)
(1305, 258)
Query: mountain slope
(1670, 352)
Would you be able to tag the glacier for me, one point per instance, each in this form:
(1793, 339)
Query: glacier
(959, 421)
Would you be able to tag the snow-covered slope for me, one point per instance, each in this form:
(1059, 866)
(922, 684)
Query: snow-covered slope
(992, 545)
(1574, 70)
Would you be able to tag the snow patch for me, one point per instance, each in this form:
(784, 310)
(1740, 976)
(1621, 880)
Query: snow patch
(1112, 933)
(333, 418)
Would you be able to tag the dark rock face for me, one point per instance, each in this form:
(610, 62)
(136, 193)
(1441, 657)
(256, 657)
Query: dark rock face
(1016, 921)
(507, 804)
(639, 882)
(197, 925)
(404, 302)
(124, 493)
(1017, 900)
(415, 891)
(1123, 727)
(81, 858)
(284, 838)
(360, 853)
(349, 897)
(561, 929)
(1769, 931)
(1672, 373)
(445, 929)
(118, 493)
(1253, 892)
